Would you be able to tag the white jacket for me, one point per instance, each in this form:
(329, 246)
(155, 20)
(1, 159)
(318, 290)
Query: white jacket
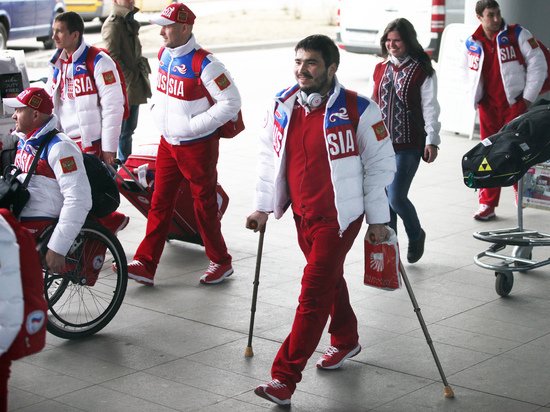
(59, 187)
(519, 80)
(11, 291)
(359, 180)
(99, 101)
(180, 111)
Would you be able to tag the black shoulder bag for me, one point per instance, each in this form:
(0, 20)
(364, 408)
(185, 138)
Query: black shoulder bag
(14, 194)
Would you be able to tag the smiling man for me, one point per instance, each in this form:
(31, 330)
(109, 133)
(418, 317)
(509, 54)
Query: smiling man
(326, 151)
(506, 69)
(195, 95)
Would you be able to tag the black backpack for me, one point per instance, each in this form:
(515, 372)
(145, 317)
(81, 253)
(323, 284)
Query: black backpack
(105, 194)
(503, 158)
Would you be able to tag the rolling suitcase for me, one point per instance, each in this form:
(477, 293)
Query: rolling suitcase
(136, 182)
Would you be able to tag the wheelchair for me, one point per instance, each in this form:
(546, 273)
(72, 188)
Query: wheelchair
(87, 295)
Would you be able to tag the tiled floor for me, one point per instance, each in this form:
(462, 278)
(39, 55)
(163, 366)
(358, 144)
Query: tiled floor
(180, 345)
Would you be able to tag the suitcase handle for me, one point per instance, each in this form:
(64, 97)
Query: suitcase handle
(122, 181)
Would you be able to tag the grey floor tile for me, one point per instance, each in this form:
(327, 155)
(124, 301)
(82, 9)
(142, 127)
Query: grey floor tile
(509, 378)
(43, 382)
(164, 392)
(431, 398)
(197, 375)
(100, 398)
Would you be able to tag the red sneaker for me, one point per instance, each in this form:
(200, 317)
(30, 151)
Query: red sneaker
(274, 391)
(138, 272)
(115, 222)
(334, 357)
(216, 273)
(485, 212)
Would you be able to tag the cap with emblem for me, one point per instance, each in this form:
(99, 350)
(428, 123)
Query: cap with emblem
(174, 13)
(34, 97)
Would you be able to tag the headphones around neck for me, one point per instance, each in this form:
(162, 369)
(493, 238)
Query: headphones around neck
(313, 100)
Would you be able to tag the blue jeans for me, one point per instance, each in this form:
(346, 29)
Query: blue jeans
(126, 132)
(407, 162)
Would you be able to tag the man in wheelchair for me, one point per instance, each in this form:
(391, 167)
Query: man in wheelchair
(59, 188)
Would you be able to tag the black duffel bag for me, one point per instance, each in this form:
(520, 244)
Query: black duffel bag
(13, 194)
(105, 194)
(503, 158)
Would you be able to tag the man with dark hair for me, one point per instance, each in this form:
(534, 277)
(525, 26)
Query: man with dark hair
(89, 105)
(121, 35)
(326, 151)
(504, 75)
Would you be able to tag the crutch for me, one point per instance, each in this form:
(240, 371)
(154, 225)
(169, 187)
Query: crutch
(253, 225)
(448, 390)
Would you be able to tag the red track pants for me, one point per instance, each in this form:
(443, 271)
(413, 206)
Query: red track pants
(5, 363)
(491, 120)
(324, 293)
(196, 163)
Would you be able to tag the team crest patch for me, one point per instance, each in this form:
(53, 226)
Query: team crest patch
(109, 77)
(533, 43)
(380, 130)
(182, 16)
(68, 165)
(35, 102)
(222, 81)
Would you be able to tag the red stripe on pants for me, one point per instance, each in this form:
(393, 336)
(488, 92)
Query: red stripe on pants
(324, 292)
(196, 163)
(491, 120)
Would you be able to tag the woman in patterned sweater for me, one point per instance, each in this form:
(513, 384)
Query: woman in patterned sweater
(405, 87)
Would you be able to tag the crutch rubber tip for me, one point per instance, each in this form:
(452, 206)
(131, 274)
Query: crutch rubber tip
(248, 353)
(448, 392)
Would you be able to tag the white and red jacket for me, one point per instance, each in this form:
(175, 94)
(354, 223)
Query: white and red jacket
(98, 100)
(362, 161)
(520, 80)
(59, 186)
(180, 108)
(22, 304)
(11, 291)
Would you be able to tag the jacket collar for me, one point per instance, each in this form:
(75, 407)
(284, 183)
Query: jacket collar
(185, 49)
(36, 137)
(122, 11)
(289, 95)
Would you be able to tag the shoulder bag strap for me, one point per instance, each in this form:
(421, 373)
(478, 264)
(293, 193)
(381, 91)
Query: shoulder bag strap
(34, 163)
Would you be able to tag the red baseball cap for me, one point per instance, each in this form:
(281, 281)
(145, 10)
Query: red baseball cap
(174, 13)
(34, 97)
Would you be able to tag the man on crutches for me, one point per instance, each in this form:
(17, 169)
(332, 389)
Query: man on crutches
(325, 149)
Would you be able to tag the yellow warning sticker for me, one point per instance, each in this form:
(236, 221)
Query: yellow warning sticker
(484, 166)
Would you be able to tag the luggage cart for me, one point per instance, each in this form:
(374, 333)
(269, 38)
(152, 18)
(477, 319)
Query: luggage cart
(522, 240)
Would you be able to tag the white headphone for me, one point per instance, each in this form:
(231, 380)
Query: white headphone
(313, 100)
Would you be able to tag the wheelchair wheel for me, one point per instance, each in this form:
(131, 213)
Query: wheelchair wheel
(84, 299)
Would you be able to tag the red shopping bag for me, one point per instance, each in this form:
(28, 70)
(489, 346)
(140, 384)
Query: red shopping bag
(382, 264)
